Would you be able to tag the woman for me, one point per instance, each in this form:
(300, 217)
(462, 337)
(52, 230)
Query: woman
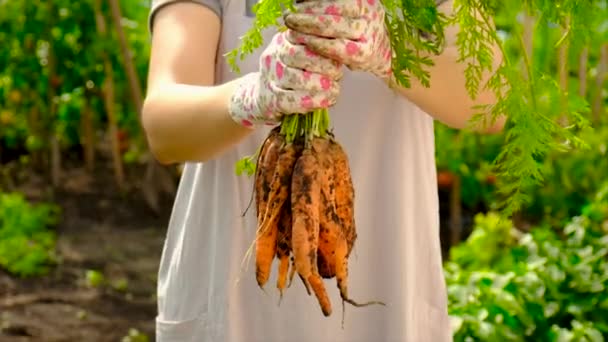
(199, 113)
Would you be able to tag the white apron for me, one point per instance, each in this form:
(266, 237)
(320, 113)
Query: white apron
(206, 294)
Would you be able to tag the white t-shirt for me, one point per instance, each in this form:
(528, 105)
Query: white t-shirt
(206, 294)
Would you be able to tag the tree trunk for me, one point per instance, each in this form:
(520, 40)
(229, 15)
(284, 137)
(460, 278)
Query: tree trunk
(108, 96)
(35, 129)
(55, 151)
(602, 70)
(156, 178)
(455, 211)
(55, 160)
(134, 85)
(88, 135)
(582, 71)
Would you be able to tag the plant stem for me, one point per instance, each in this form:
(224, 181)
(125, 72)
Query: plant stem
(528, 70)
(305, 126)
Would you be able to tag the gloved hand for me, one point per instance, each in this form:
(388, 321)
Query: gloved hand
(350, 31)
(291, 80)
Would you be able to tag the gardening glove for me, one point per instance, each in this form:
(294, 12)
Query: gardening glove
(350, 31)
(291, 80)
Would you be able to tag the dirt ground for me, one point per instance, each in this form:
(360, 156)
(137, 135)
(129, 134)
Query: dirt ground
(113, 234)
(104, 231)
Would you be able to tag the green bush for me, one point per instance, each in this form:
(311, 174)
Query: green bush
(469, 156)
(26, 242)
(571, 179)
(545, 285)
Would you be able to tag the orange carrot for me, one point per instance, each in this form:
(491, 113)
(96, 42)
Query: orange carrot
(267, 161)
(330, 226)
(266, 237)
(305, 198)
(344, 199)
(345, 193)
(281, 180)
(284, 246)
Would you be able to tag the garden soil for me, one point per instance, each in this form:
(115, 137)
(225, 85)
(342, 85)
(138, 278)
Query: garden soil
(100, 230)
(106, 231)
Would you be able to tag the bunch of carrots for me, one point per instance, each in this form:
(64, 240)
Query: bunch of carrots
(304, 200)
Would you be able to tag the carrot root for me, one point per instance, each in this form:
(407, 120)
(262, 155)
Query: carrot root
(319, 289)
(266, 241)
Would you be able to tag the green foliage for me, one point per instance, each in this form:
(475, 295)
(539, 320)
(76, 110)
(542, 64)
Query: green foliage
(533, 100)
(52, 62)
(475, 40)
(491, 233)
(470, 157)
(531, 134)
(135, 336)
(571, 177)
(121, 285)
(94, 278)
(546, 285)
(547, 140)
(26, 242)
(246, 165)
(267, 13)
(416, 32)
(528, 93)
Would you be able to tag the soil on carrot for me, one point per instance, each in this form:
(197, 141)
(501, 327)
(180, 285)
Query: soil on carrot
(103, 231)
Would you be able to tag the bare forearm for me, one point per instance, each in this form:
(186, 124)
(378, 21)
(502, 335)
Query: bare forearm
(447, 99)
(190, 123)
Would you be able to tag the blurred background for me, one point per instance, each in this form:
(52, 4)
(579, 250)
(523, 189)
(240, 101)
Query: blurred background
(84, 207)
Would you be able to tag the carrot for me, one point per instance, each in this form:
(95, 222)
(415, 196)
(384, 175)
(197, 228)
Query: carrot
(330, 225)
(344, 199)
(345, 193)
(267, 161)
(284, 238)
(293, 272)
(305, 201)
(284, 246)
(279, 187)
(316, 283)
(260, 170)
(305, 209)
(266, 237)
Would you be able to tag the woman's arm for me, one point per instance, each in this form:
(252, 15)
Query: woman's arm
(447, 98)
(185, 117)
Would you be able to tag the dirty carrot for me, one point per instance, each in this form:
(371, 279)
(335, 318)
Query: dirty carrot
(266, 239)
(265, 166)
(344, 192)
(284, 246)
(305, 200)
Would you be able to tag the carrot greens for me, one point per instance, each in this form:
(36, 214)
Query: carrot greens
(543, 115)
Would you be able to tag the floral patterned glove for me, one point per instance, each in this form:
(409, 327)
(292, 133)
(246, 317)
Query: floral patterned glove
(349, 31)
(291, 80)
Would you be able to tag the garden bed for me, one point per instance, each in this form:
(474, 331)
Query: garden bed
(100, 231)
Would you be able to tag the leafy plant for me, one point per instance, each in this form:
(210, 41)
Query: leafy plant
(94, 278)
(546, 285)
(53, 97)
(26, 242)
(135, 336)
(571, 179)
(467, 155)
